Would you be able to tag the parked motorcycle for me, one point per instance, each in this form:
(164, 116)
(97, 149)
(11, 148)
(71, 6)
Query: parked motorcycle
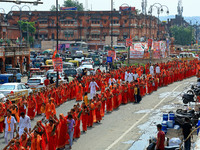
(182, 114)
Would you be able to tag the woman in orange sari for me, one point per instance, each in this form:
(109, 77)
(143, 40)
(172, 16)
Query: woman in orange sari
(36, 141)
(63, 136)
(2, 114)
(23, 140)
(32, 107)
(51, 132)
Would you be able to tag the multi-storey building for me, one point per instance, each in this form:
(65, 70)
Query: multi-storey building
(90, 26)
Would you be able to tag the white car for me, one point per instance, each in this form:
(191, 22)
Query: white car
(88, 66)
(88, 60)
(54, 75)
(79, 59)
(36, 82)
(7, 88)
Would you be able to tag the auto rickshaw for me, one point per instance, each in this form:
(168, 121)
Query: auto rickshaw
(49, 62)
(75, 62)
(68, 59)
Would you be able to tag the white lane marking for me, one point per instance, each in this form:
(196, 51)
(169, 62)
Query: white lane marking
(127, 131)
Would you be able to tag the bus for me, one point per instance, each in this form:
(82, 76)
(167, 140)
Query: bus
(78, 46)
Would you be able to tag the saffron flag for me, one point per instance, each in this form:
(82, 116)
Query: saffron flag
(54, 54)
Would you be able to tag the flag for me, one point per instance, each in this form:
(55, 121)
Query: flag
(54, 54)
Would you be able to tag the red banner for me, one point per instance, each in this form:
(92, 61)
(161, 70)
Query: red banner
(58, 64)
(128, 42)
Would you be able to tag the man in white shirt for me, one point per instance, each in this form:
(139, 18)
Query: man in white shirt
(92, 87)
(10, 126)
(157, 69)
(111, 80)
(130, 77)
(151, 70)
(126, 76)
(135, 75)
(24, 122)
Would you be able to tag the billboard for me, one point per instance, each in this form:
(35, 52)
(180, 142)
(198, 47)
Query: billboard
(137, 50)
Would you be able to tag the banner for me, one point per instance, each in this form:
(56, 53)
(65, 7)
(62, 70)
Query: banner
(68, 8)
(137, 51)
(112, 53)
(156, 50)
(58, 64)
(163, 49)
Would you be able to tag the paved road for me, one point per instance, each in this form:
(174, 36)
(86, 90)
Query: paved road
(119, 129)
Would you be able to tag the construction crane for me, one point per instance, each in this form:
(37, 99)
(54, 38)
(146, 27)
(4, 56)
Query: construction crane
(180, 8)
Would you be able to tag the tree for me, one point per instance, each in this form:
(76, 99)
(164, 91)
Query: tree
(27, 27)
(73, 3)
(182, 35)
(69, 3)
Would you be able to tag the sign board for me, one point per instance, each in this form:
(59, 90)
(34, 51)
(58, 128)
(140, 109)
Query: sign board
(137, 51)
(128, 42)
(112, 53)
(109, 59)
(58, 64)
(68, 8)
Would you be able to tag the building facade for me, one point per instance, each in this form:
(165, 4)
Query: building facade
(90, 26)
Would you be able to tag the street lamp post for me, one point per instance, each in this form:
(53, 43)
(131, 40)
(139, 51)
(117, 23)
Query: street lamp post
(57, 77)
(129, 28)
(159, 8)
(20, 9)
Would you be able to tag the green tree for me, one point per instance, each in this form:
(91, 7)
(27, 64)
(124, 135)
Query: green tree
(27, 27)
(69, 3)
(53, 8)
(182, 35)
(73, 3)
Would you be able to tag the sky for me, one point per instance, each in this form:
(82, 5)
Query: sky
(190, 7)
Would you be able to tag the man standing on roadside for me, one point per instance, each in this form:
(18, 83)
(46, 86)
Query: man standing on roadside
(160, 138)
(186, 131)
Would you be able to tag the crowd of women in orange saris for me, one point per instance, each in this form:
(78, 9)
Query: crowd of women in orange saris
(92, 110)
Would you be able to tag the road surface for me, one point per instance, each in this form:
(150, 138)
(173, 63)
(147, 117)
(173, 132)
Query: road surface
(123, 128)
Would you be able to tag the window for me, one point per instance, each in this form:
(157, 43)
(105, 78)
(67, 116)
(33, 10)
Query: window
(52, 21)
(24, 87)
(125, 21)
(105, 21)
(19, 87)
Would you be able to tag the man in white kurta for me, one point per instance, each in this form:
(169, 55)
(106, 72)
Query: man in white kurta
(151, 70)
(92, 87)
(111, 80)
(135, 75)
(130, 77)
(126, 76)
(157, 69)
(24, 122)
(10, 126)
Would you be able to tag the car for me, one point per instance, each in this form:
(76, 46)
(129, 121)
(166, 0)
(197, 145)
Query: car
(67, 65)
(8, 88)
(36, 82)
(79, 59)
(70, 72)
(54, 75)
(88, 66)
(89, 60)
